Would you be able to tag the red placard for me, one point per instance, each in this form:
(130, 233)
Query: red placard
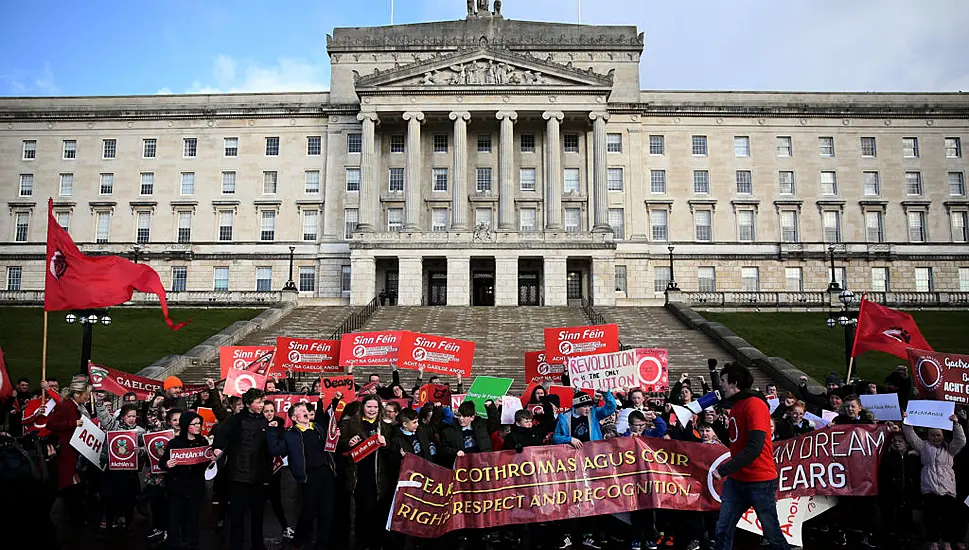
(192, 455)
(155, 443)
(239, 381)
(208, 420)
(365, 448)
(439, 354)
(369, 348)
(434, 393)
(329, 385)
(123, 450)
(565, 394)
(239, 357)
(306, 355)
(940, 375)
(332, 433)
(536, 408)
(574, 341)
(283, 401)
(538, 370)
(278, 463)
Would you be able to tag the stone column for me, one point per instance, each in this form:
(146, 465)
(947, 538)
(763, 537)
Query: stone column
(411, 286)
(604, 281)
(600, 173)
(554, 279)
(506, 281)
(506, 193)
(459, 179)
(553, 171)
(458, 280)
(363, 280)
(412, 185)
(369, 193)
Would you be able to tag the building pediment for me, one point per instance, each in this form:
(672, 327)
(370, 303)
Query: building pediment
(483, 67)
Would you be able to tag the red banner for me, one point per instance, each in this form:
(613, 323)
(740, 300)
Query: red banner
(283, 401)
(438, 354)
(306, 355)
(565, 394)
(192, 455)
(940, 376)
(240, 381)
(330, 385)
(119, 383)
(155, 443)
(365, 448)
(575, 341)
(840, 460)
(370, 348)
(538, 370)
(239, 357)
(434, 393)
(123, 450)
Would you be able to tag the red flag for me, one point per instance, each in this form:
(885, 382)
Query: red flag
(6, 384)
(77, 281)
(884, 329)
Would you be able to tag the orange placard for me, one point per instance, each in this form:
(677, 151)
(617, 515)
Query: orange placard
(208, 420)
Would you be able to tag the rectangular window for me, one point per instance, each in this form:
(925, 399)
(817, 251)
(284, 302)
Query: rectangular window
(788, 226)
(190, 147)
(745, 226)
(221, 279)
(484, 143)
(526, 179)
(353, 179)
(310, 224)
(699, 146)
(311, 182)
(750, 279)
(107, 184)
(706, 279)
(745, 184)
(573, 220)
(354, 143)
(741, 146)
(957, 184)
(614, 179)
(701, 182)
(570, 180)
(269, 181)
(149, 148)
(230, 146)
(26, 185)
(879, 279)
(307, 279)
(228, 183)
(657, 145)
(868, 147)
(345, 279)
(267, 229)
(70, 149)
(527, 143)
(916, 226)
(188, 183)
(439, 220)
(21, 227)
(143, 233)
(913, 183)
(64, 220)
(614, 143)
(659, 220)
(657, 181)
(147, 183)
(272, 146)
(264, 279)
(786, 181)
(784, 146)
(483, 180)
(620, 278)
(397, 143)
(953, 148)
(793, 279)
(832, 226)
(440, 143)
(959, 226)
(571, 142)
(829, 183)
(826, 145)
(661, 278)
(872, 189)
(184, 227)
(527, 219)
(350, 217)
(109, 148)
(923, 279)
(30, 149)
(910, 147)
(483, 217)
(226, 219)
(874, 232)
(704, 225)
(103, 228)
(618, 223)
(395, 219)
(179, 279)
(964, 279)
(314, 145)
(396, 180)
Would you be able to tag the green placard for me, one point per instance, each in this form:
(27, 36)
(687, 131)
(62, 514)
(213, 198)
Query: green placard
(487, 387)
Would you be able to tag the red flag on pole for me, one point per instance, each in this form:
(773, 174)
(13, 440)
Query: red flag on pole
(884, 329)
(6, 384)
(77, 281)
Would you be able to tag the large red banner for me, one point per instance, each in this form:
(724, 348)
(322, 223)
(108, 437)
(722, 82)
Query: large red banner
(239, 357)
(438, 354)
(538, 370)
(306, 355)
(370, 348)
(119, 383)
(940, 376)
(123, 450)
(575, 341)
(552, 483)
(283, 401)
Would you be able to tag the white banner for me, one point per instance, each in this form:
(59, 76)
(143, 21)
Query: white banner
(509, 406)
(88, 439)
(930, 414)
(791, 513)
(615, 371)
(884, 406)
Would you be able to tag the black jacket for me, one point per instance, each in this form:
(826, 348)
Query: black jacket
(899, 478)
(452, 438)
(400, 441)
(519, 438)
(243, 438)
(186, 481)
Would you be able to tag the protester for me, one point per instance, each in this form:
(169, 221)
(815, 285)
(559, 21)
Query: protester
(185, 484)
(62, 421)
(274, 489)
(899, 490)
(119, 488)
(365, 479)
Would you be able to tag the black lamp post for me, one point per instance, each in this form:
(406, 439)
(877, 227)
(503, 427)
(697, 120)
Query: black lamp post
(848, 319)
(672, 283)
(87, 318)
(290, 285)
(833, 286)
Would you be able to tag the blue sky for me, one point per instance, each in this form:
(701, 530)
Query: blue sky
(50, 47)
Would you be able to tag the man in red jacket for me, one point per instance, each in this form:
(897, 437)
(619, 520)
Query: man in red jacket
(750, 472)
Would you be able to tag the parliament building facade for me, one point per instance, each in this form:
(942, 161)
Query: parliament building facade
(488, 161)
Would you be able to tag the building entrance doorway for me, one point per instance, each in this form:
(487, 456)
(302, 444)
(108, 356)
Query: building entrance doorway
(437, 289)
(528, 289)
(482, 281)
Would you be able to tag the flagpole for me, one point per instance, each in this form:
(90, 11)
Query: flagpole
(43, 353)
(851, 363)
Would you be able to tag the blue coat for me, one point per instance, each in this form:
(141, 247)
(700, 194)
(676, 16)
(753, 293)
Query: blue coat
(563, 427)
(290, 443)
(659, 429)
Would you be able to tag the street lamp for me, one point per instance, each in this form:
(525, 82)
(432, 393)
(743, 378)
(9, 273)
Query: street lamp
(833, 286)
(846, 318)
(290, 285)
(672, 283)
(87, 319)
(135, 251)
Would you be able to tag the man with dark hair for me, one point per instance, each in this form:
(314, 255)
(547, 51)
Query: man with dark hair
(467, 434)
(750, 472)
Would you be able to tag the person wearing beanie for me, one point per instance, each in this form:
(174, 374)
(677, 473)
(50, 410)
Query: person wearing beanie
(185, 484)
(172, 386)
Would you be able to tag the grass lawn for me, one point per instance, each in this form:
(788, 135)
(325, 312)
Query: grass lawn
(136, 338)
(805, 340)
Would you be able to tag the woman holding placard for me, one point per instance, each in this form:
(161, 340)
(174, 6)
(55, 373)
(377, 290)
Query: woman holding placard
(185, 483)
(364, 477)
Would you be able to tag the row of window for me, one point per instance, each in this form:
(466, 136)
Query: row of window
(190, 148)
(784, 146)
(270, 183)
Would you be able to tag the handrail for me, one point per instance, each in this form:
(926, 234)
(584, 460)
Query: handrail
(743, 299)
(597, 318)
(356, 319)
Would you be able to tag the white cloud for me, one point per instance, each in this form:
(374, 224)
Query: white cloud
(241, 76)
(30, 83)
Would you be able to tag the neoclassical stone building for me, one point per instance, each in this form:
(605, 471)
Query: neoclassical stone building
(488, 161)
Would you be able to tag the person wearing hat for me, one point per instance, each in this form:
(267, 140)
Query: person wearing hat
(62, 421)
(833, 385)
(185, 483)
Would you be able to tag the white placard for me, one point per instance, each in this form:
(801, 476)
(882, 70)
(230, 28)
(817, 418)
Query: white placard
(509, 406)
(622, 422)
(818, 421)
(773, 403)
(88, 439)
(884, 406)
(829, 416)
(791, 513)
(930, 414)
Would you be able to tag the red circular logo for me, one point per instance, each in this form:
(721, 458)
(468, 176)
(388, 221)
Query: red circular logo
(929, 372)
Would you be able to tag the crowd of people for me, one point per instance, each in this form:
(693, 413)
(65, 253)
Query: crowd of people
(923, 478)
